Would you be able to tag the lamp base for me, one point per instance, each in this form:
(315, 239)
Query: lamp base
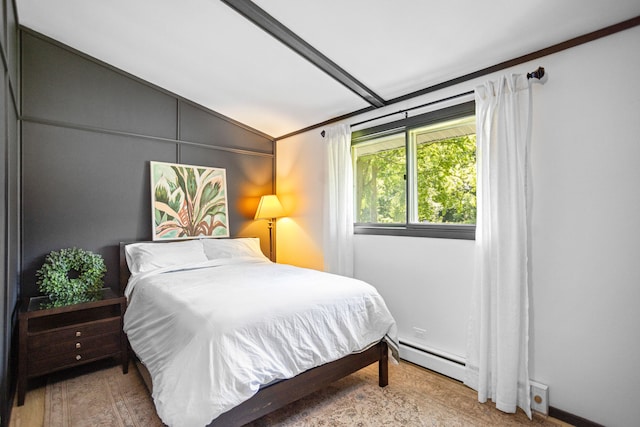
(271, 240)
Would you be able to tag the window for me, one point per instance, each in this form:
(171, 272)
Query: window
(417, 176)
(380, 166)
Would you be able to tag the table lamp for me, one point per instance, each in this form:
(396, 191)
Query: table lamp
(269, 208)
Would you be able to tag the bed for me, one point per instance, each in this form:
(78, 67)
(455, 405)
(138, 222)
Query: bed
(225, 336)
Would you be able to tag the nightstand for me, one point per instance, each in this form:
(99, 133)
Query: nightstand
(55, 338)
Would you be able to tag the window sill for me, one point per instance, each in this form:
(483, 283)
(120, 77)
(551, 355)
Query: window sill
(437, 231)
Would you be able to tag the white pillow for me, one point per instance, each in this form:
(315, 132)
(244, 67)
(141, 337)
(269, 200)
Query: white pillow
(233, 248)
(143, 257)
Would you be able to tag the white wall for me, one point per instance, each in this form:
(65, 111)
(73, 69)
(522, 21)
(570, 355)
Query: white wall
(585, 293)
(427, 287)
(299, 185)
(586, 230)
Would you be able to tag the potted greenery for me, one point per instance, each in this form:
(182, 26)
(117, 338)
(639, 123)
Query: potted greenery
(71, 276)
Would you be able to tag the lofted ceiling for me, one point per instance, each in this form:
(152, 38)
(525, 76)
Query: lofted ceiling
(207, 52)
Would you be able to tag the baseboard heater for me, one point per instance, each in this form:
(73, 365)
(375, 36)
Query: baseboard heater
(436, 360)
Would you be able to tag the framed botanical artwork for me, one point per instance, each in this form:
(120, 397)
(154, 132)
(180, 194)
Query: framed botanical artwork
(188, 201)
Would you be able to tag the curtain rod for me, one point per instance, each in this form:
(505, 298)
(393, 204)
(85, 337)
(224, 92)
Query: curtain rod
(537, 74)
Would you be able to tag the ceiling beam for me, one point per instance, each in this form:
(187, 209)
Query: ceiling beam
(275, 28)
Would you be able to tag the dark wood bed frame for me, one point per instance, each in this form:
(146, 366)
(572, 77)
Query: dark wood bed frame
(279, 394)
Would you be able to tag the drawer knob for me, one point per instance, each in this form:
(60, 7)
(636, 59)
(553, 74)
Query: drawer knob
(78, 333)
(78, 345)
(78, 357)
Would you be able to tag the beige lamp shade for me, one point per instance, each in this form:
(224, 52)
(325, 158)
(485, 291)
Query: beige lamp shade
(269, 208)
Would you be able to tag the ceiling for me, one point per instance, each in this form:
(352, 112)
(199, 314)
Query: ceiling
(205, 51)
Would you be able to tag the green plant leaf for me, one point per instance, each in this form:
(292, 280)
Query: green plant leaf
(53, 277)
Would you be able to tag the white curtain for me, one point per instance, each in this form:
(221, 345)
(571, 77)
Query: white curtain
(498, 340)
(338, 202)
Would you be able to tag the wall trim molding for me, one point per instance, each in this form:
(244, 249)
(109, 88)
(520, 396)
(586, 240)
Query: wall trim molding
(558, 47)
(572, 419)
(94, 129)
(11, 85)
(90, 58)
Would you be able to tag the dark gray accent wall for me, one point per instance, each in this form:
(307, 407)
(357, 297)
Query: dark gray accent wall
(10, 200)
(66, 88)
(89, 132)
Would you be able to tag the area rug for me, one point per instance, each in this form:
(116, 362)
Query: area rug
(414, 397)
(103, 397)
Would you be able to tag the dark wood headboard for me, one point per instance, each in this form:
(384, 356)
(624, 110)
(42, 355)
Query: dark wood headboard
(124, 268)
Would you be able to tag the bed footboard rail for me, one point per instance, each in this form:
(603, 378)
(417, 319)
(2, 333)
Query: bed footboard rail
(277, 395)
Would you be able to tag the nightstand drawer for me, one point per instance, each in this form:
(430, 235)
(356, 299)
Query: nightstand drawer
(44, 340)
(75, 345)
(110, 346)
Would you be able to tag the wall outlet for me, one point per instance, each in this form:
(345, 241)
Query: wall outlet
(539, 397)
(419, 332)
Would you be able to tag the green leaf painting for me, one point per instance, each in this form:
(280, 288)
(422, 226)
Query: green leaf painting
(188, 201)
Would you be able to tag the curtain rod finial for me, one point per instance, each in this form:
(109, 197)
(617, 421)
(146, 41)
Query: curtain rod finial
(537, 74)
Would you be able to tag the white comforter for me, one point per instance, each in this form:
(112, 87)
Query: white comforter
(211, 336)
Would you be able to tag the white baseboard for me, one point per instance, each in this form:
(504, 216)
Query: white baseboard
(432, 361)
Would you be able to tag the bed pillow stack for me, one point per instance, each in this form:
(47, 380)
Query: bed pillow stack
(143, 257)
(148, 256)
(233, 248)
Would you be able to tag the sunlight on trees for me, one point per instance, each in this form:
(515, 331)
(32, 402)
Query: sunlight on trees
(446, 177)
(445, 180)
(380, 187)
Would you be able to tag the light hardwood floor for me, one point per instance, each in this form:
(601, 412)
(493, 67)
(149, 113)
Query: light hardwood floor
(31, 414)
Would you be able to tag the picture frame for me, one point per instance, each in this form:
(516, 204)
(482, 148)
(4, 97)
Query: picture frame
(188, 201)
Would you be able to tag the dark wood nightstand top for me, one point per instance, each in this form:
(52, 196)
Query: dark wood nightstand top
(41, 305)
